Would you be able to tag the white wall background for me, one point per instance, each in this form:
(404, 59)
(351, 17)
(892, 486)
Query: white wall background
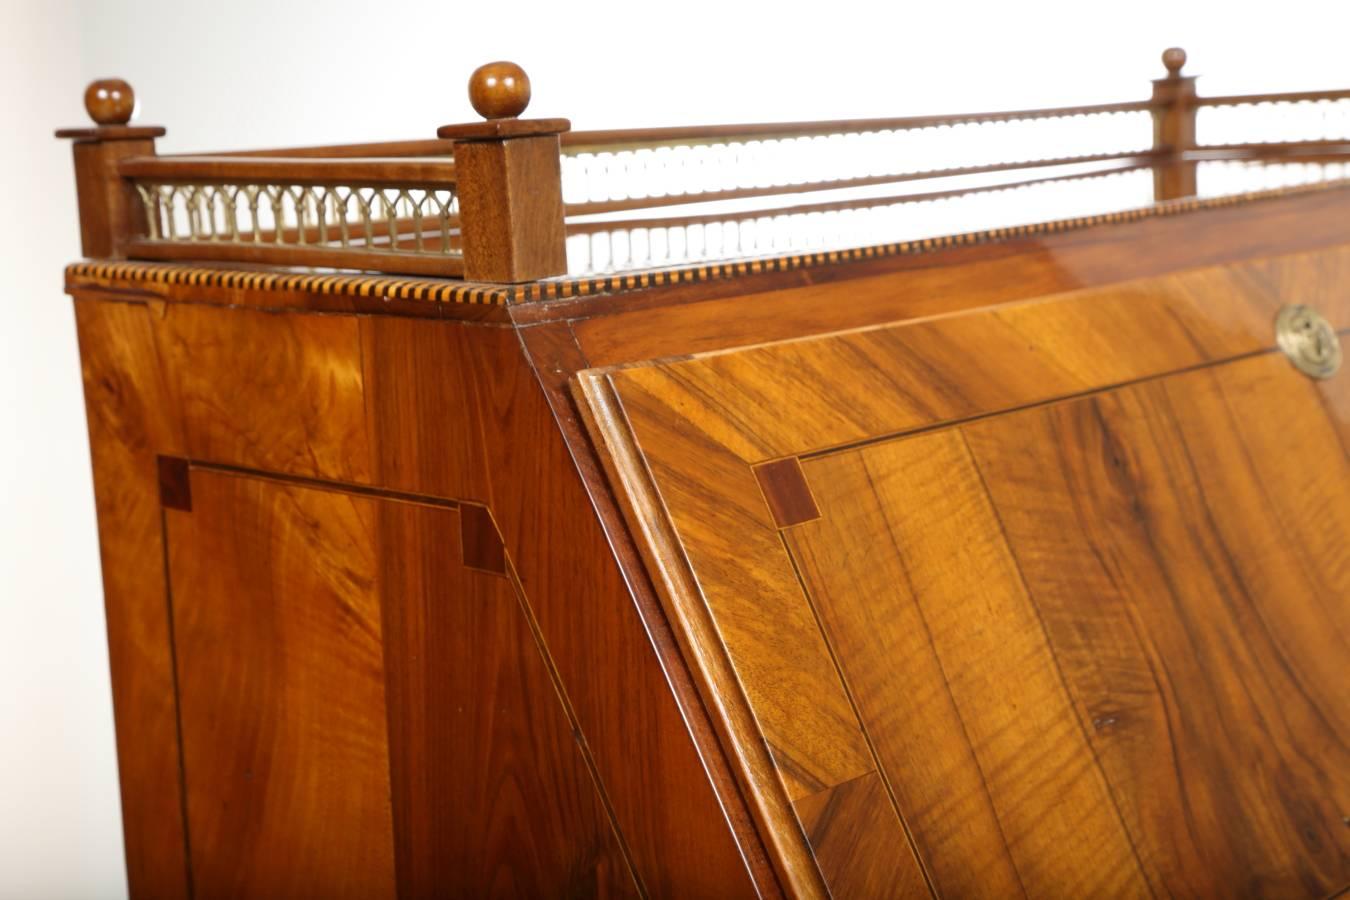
(231, 74)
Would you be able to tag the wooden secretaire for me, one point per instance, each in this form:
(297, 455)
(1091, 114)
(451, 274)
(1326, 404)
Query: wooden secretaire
(949, 507)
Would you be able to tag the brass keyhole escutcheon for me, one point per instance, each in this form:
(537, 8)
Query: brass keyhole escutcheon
(1309, 341)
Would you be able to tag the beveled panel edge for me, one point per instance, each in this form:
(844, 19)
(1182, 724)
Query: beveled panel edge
(700, 641)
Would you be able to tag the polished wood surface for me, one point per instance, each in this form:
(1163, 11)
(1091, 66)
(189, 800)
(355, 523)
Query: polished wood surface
(852, 832)
(716, 315)
(390, 172)
(125, 395)
(316, 427)
(581, 696)
(277, 638)
(482, 429)
(1000, 563)
(1212, 509)
(110, 213)
(496, 798)
(510, 201)
(389, 640)
(110, 101)
(973, 728)
(499, 90)
(1089, 644)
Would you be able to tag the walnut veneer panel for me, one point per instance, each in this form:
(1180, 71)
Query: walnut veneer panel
(225, 371)
(882, 620)
(125, 395)
(438, 412)
(1115, 599)
(281, 679)
(495, 798)
(719, 315)
(363, 712)
(482, 426)
(942, 648)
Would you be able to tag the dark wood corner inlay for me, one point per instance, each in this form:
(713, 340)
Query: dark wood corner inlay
(786, 491)
(175, 485)
(482, 542)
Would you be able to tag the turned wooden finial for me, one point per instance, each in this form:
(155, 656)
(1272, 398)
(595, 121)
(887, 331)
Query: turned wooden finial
(1174, 58)
(499, 90)
(110, 101)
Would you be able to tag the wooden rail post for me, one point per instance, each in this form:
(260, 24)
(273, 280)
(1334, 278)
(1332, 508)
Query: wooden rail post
(509, 177)
(110, 212)
(1174, 129)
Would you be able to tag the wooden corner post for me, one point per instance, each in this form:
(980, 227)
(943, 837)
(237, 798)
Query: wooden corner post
(1174, 111)
(509, 179)
(110, 213)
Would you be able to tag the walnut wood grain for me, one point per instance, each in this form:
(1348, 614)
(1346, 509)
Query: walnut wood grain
(511, 209)
(786, 492)
(125, 395)
(851, 828)
(758, 309)
(1027, 353)
(1186, 542)
(955, 682)
(730, 536)
(492, 795)
(482, 430)
(554, 355)
(282, 691)
(284, 394)
(111, 215)
(713, 670)
(886, 643)
(1001, 783)
(345, 399)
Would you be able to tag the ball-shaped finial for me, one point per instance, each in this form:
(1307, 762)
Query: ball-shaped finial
(110, 101)
(499, 90)
(1174, 58)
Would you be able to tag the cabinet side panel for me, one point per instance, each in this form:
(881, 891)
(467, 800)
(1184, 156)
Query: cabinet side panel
(277, 630)
(492, 796)
(126, 403)
(454, 409)
(281, 393)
